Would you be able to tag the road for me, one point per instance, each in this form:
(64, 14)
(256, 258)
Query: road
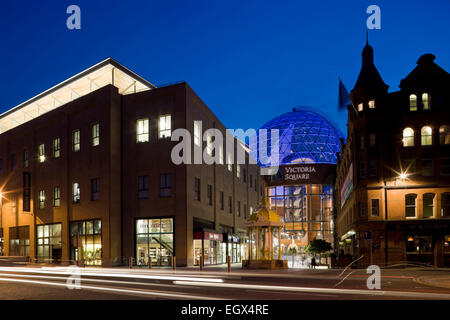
(52, 283)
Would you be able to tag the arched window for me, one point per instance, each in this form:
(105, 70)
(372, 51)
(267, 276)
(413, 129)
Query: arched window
(372, 104)
(426, 101)
(413, 102)
(427, 136)
(428, 205)
(408, 137)
(410, 205)
(444, 134)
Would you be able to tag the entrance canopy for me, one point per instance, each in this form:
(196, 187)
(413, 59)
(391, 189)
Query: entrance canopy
(102, 74)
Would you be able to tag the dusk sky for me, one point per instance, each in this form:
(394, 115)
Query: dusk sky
(248, 60)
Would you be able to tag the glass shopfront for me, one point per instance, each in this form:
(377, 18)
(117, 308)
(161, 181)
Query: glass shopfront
(233, 247)
(19, 241)
(86, 242)
(210, 243)
(154, 239)
(48, 243)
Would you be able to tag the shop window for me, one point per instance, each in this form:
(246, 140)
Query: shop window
(25, 159)
(56, 148)
(427, 136)
(375, 207)
(48, 242)
(95, 189)
(86, 241)
(445, 204)
(95, 131)
(165, 185)
(445, 166)
(19, 241)
(408, 137)
(41, 199)
(165, 126)
(41, 153)
(143, 187)
(76, 144)
(154, 240)
(427, 167)
(444, 135)
(410, 205)
(413, 102)
(197, 189)
(426, 101)
(56, 197)
(76, 192)
(428, 205)
(419, 244)
(142, 131)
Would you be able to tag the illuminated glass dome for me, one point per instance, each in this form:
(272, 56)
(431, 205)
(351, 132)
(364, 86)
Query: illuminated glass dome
(305, 137)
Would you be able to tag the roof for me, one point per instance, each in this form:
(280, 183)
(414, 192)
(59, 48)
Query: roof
(102, 74)
(264, 216)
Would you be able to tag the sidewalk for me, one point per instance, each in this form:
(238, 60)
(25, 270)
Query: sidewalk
(434, 281)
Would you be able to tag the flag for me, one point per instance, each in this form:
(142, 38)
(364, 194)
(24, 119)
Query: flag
(344, 97)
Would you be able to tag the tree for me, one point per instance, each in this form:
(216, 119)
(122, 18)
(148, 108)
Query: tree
(318, 246)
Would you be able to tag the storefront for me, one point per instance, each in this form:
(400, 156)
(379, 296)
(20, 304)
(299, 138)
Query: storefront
(19, 241)
(212, 246)
(154, 239)
(233, 247)
(48, 243)
(86, 242)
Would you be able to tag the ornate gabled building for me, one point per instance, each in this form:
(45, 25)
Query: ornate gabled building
(393, 176)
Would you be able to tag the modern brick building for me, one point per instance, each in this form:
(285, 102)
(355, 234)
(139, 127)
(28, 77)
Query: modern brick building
(393, 179)
(86, 175)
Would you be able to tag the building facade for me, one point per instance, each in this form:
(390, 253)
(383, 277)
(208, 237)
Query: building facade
(87, 176)
(393, 178)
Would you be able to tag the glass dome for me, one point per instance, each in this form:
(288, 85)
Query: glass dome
(305, 137)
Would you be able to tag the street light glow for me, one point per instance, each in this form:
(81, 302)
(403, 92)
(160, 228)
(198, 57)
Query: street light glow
(403, 176)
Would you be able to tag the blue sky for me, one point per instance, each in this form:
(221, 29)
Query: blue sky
(248, 60)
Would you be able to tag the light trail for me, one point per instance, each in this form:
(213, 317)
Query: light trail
(402, 294)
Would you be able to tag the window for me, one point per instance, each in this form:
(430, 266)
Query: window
(95, 189)
(230, 161)
(197, 189)
(408, 166)
(221, 201)
(165, 185)
(427, 167)
(56, 196)
(426, 134)
(41, 152)
(198, 133)
(26, 191)
(13, 162)
(419, 244)
(95, 134)
(445, 204)
(19, 241)
(372, 104)
(41, 199)
(154, 240)
(362, 209)
(426, 101)
(165, 126)
(445, 166)
(375, 207)
(408, 137)
(410, 205)
(230, 204)
(239, 208)
(142, 187)
(360, 107)
(373, 170)
(210, 200)
(238, 171)
(142, 132)
(25, 159)
(56, 148)
(76, 141)
(48, 245)
(444, 134)
(372, 139)
(413, 102)
(362, 170)
(428, 205)
(76, 192)
(88, 235)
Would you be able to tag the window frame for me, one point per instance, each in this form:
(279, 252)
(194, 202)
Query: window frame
(56, 197)
(56, 147)
(166, 132)
(95, 134)
(142, 131)
(76, 140)
(411, 195)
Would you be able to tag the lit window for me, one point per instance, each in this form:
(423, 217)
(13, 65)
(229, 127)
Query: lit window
(41, 199)
(95, 134)
(230, 161)
(198, 133)
(408, 137)
(41, 153)
(413, 102)
(372, 104)
(56, 148)
(444, 134)
(142, 131)
(428, 205)
(360, 107)
(410, 205)
(56, 197)
(426, 101)
(76, 141)
(76, 192)
(426, 134)
(165, 126)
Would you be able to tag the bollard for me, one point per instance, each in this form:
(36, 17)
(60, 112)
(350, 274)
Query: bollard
(229, 263)
(150, 262)
(174, 263)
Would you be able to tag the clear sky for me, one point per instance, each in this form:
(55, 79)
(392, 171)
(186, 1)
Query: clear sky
(248, 60)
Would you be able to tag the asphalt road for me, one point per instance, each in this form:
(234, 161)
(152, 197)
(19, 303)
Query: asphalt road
(52, 283)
